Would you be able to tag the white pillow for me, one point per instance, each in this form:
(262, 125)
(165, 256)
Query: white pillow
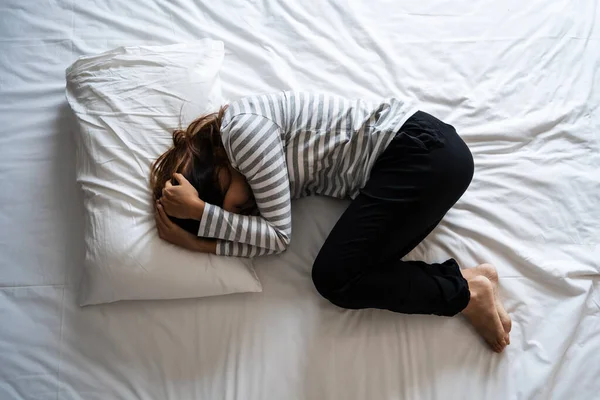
(127, 102)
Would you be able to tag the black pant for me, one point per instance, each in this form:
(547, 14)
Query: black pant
(414, 182)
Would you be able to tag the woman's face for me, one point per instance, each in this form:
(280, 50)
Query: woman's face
(238, 194)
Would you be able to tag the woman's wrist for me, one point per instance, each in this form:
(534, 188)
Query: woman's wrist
(197, 209)
(204, 245)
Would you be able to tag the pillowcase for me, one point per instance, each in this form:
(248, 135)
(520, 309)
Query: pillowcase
(127, 102)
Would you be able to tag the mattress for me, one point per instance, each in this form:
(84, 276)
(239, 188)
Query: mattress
(519, 80)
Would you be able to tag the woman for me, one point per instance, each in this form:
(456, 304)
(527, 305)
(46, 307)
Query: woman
(225, 188)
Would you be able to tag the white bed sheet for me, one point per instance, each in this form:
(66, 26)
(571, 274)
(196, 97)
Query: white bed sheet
(518, 79)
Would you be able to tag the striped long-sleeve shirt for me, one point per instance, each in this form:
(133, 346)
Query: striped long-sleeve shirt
(294, 144)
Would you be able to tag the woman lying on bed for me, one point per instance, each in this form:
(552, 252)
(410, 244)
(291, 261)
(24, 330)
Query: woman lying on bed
(226, 184)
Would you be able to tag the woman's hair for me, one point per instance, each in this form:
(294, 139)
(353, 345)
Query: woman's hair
(199, 151)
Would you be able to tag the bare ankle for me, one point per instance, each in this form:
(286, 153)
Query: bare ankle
(486, 270)
(489, 271)
(479, 286)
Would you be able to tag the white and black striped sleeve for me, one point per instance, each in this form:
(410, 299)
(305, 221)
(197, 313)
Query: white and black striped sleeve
(257, 152)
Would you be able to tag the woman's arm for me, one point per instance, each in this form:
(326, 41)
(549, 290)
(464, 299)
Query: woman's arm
(257, 152)
(181, 201)
(174, 234)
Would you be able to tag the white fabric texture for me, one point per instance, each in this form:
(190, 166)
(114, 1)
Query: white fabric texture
(518, 80)
(127, 101)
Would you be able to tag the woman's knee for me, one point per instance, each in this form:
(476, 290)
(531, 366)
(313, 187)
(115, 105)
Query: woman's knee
(452, 160)
(456, 166)
(325, 284)
(330, 287)
(328, 283)
(322, 278)
(465, 167)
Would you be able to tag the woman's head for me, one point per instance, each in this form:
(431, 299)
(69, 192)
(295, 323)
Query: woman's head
(198, 154)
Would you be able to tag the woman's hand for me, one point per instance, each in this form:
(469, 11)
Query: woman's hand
(174, 234)
(181, 201)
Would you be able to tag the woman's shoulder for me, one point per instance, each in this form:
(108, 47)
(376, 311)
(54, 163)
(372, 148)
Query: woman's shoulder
(259, 104)
(268, 107)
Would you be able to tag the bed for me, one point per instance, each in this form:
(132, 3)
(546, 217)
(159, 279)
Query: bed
(518, 79)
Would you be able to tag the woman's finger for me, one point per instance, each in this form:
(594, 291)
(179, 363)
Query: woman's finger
(163, 201)
(163, 216)
(170, 192)
(157, 218)
(157, 208)
(167, 206)
(160, 227)
(168, 184)
(180, 178)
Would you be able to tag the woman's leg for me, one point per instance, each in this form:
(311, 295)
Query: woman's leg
(419, 177)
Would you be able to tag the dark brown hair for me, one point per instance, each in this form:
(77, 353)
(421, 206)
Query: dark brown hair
(198, 154)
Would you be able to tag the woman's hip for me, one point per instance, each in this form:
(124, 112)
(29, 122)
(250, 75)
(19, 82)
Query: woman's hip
(427, 155)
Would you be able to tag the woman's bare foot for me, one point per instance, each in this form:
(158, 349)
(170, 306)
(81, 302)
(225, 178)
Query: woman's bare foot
(489, 271)
(481, 312)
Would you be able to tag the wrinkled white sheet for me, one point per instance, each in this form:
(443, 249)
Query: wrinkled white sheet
(518, 79)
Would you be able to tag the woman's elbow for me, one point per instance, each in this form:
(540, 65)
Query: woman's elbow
(282, 243)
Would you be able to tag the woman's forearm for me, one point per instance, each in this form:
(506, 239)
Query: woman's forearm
(197, 210)
(203, 245)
